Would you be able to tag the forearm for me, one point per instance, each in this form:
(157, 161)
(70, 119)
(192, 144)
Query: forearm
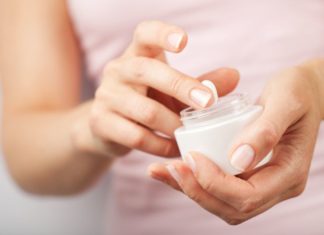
(41, 155)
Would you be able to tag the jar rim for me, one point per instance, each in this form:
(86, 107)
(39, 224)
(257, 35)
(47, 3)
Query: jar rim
(230, 104)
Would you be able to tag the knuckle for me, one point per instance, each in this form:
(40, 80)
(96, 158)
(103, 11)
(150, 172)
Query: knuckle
(111, 67)
(94, 124)
(136, 139)
(235, 218)
(149, 114)
(299, 189)
(140, 64)
(94, 118)
(269, 133)
(249, 205)
(193, 190)
(208, 185)
(194, 196)
(234, 221)
(176, 84)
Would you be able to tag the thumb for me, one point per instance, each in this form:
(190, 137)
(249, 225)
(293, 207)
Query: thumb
(261, 136)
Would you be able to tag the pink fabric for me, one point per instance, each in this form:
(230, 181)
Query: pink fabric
(259, 37)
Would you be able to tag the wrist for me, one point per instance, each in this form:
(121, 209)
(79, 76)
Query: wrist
(315, 71)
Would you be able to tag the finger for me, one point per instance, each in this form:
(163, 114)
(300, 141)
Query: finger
(159, 172)
(267, 186)
(191, 187)
(225, 80)
(287, 173)
(83, 137)
(112, 127)
(182, 175)
(227, 188)
(141, 109)
(259, 138)
(152, 37)
(160, 76)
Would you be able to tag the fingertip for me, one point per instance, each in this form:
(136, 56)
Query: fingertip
(158, 172)
(151, 169)
(231, 78)
(234, 75)
(183, 43)
(177, 40)
(230, 72)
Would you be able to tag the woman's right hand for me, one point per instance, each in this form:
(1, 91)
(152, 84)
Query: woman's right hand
(140, 96)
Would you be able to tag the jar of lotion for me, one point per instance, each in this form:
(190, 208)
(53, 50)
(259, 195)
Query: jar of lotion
(211, 131)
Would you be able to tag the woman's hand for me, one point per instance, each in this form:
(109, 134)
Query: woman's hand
(136, 97)
(288, 125)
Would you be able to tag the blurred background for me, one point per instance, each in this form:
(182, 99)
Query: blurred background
(25, 214)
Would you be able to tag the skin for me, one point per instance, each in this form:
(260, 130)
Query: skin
(53, 143)
(56, 145)
(292, 136)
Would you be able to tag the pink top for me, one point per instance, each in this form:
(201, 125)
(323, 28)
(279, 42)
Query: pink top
(259, 37)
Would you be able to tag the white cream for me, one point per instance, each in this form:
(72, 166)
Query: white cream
(212, 131)
(212, 87)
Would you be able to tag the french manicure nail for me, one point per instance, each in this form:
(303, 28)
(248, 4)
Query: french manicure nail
(175, 39)
(200, 97)
(173, 172)
(212, 87)
(242, 157)
(188, 159)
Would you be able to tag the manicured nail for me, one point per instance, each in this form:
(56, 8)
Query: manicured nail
(173, 172)
(200, 97)
(188, 159)
(175, 39)
(242, 157)
(212, 87)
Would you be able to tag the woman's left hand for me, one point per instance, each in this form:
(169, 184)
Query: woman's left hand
(288, 125)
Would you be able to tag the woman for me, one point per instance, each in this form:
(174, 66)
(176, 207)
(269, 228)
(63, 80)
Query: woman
(55, 145)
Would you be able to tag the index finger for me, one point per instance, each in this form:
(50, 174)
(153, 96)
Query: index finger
(160, 76)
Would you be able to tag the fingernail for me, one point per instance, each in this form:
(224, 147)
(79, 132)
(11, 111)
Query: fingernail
(212, 87)
(175, 39)
(188, 159)
(242, 157)
(200, 97)
(173, 172)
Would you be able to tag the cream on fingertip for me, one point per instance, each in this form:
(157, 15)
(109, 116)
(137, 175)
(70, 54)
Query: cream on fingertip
(212, 87)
